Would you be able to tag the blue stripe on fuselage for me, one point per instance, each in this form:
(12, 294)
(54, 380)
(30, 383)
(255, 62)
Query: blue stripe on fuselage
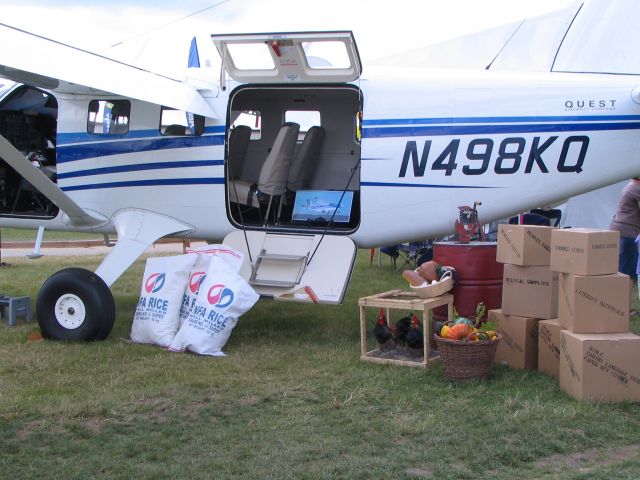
(140, 167)
(70, 153)
(147, 183)
(456, 130)
(457, 120)
(220, 181)
(141, 141)
(417, 185)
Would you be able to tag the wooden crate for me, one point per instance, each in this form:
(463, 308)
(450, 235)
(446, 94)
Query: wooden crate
(402, 300)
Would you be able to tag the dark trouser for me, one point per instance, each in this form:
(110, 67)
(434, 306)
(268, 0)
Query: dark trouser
(628, 259)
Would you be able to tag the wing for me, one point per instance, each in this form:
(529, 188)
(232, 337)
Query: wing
(53, 65)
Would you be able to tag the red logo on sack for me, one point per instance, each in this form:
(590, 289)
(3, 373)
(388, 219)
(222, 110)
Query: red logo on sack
(155, 282)
(195, 282)
(220, 296)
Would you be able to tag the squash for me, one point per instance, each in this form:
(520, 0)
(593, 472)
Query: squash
(413, 278)
(468, 321)
(444, 330)
(430, 271)
(459, 331)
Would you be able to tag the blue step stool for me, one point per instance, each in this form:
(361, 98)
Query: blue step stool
(15, 306)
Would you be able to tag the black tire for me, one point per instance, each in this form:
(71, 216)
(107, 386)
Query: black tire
(75, 304)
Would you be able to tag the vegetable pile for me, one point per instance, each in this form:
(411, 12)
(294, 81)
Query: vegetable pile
(467, 330)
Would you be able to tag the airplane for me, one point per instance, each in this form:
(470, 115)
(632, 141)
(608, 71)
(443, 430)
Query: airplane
(90, 143)
(322, 207)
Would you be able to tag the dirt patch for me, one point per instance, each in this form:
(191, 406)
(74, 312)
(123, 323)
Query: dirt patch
(95, 424)
(193, 410)
(591, 459)
(402, 353)
(250, 400)
(419, 472)
(39, 426)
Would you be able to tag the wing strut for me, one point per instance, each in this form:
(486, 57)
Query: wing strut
(77, 216)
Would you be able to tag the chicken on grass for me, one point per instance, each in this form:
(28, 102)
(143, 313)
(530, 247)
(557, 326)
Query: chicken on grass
(414, 338)
(383, 333)
(401, 329)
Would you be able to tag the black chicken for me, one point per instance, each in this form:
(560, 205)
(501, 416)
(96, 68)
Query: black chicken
(414, 335)
(383, 333)
(402, 329)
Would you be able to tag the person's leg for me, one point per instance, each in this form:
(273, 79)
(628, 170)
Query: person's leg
(628, 263)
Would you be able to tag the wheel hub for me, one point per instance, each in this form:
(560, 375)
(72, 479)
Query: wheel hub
(70, 312)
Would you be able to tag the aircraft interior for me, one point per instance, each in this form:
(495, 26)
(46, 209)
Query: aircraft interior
(293, 158)
(28, 120)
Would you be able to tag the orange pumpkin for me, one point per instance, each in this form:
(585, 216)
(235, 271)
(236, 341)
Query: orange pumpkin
(459, 331)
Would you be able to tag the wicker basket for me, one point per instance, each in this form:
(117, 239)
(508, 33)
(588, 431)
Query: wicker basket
(443, 286)
(466, 360)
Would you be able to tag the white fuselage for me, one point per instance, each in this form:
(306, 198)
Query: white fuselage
(431, 141)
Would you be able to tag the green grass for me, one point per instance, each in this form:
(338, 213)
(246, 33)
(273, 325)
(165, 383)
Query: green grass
(291, 400)
(20, 235)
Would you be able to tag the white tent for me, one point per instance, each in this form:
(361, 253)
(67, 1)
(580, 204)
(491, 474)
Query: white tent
(592, 210)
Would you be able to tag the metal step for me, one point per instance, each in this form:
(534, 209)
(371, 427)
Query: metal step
(278, 270)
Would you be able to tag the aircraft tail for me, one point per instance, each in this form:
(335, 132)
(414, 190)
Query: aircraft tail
(194, 57)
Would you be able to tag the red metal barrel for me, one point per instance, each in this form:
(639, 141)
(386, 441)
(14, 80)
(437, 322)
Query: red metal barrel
(479, 276)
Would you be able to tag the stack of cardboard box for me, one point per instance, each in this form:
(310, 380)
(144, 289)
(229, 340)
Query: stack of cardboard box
(529, 292)
(599, 358)
(549, 347)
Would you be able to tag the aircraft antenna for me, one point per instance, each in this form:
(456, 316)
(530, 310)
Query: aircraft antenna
(504, 46)
(171, 23)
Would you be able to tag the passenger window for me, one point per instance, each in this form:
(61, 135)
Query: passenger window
(109, 117)
(252, 119)
(305, 118)
(179, 122)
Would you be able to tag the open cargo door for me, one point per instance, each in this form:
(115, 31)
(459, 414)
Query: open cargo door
(293, 229)
(310, 57)
(300, 268)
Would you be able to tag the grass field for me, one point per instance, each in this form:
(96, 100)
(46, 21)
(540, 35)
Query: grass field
(291, 400)
(21, 235)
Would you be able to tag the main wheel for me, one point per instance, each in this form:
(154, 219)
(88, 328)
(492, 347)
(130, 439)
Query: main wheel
(75, 304)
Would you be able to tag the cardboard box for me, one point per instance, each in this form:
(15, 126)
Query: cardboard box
(518, 347)
(600, 367)
(594, 303)
(530, 291)
(549, 347)
(585, 251)
(524, 244)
